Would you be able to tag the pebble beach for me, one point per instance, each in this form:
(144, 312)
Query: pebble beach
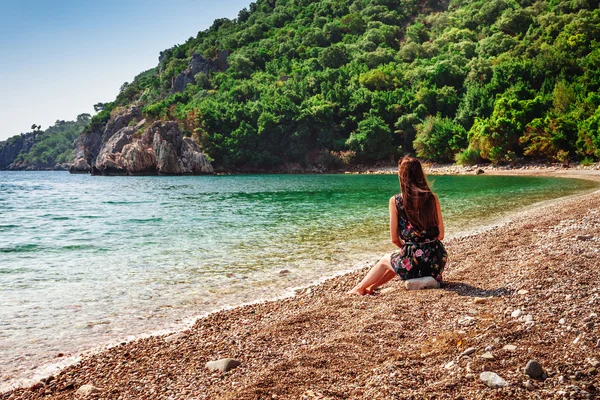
(516, 318)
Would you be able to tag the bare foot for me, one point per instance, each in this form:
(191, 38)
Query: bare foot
(370, 290)
(357, 291)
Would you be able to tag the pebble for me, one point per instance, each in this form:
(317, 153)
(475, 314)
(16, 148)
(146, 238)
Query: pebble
(534, 370)
(480, 300)
(284, 272)
(523, 292)
(174, 337)
(468, 351)
(584, 237)
(488, 356)
(469, 367)
(388, 290)
(86, 390)
(469, 377)
(450, 365)
(590, 317)
(492, 380)
(510, 347)
(528, 385)
(223, 365)
(426, 282)
(516, 314)
(466, 320)
(529, 318)
(593, 362)
(562, 321)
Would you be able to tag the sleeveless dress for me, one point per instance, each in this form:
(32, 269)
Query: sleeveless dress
(422, 254)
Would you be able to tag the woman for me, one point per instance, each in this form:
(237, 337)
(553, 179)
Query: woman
(416, 227)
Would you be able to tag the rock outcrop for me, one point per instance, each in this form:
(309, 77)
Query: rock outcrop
(110, 159)
(89, 144)
(161, 149)
(10, 149)
(199, 64)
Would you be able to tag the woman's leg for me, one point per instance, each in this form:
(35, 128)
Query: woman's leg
(388, 276)
(377, 276)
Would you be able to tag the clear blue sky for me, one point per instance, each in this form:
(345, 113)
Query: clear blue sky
(60, 57)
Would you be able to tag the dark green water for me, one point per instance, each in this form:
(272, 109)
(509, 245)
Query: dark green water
(91, 260)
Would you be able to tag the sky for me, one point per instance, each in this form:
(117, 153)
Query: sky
(60, 57)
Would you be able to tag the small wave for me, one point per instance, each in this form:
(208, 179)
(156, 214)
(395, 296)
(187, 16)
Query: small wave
(125, 202)
(144, 220)
(26, 248)
(60, 218)
(78, 247)
(7, 227)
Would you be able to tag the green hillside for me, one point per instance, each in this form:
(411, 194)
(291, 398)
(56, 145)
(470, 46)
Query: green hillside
(42, 149)
(338, 81)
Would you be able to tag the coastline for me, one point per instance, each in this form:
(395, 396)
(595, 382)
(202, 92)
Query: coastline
(279, 340)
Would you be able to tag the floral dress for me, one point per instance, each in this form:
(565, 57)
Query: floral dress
(422, 254)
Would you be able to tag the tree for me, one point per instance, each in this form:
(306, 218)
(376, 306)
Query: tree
(84, 117)
(439, 139)
(372, 140)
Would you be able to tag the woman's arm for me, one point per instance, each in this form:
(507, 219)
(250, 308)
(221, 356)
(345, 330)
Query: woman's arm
(439, 218)
(394, 223)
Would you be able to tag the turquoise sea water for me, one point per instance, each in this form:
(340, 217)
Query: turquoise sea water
(87, 261)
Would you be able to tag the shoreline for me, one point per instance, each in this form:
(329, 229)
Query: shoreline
(228, 314)
(528, 168)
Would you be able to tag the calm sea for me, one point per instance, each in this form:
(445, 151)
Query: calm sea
(88, 261)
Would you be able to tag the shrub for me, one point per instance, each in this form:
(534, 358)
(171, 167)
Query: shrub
(586, 162)
(468, 157)
(372, 140)
(439, 139)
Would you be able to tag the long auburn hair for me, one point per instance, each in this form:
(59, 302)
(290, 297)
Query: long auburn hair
(417, 199)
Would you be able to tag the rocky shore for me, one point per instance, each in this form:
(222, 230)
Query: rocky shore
(518, 317)
(130, 145)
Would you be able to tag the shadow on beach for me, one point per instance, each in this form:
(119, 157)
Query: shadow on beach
(464, 289)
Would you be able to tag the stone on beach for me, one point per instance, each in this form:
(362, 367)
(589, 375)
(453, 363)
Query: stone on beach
(388, 290)
(427, 282)
(468, 351)
(517, 313)
(534, 370)
(510, 347)
(223, 365)
(479, 300)
(584, 237)
(86, 390)
(492, 380)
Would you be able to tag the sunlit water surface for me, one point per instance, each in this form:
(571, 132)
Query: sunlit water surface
(87, 261)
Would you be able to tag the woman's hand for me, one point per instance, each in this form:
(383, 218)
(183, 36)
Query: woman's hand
(394, 223)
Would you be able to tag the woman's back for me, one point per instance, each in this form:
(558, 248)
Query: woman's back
(407, 231)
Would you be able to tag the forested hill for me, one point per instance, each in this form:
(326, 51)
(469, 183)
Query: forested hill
(341, 81)
(43, 149)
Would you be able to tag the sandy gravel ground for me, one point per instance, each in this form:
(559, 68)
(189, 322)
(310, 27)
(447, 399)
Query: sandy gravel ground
(532, 284)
